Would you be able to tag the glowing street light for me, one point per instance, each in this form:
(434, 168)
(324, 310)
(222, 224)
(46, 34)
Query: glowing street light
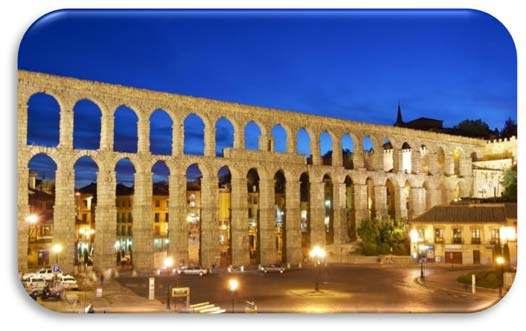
(168, 262)
(32, 219)
(57, 249)
(318, 254)
(233, 286)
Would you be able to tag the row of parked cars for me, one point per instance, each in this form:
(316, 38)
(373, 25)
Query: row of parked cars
(37, 281)
(199, 271)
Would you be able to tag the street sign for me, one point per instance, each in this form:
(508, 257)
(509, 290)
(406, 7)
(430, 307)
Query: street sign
(151, 288)
(180, 292)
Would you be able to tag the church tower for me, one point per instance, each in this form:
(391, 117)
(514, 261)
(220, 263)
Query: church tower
(399, 120)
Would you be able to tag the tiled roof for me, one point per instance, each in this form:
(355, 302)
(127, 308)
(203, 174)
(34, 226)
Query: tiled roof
(477, 213)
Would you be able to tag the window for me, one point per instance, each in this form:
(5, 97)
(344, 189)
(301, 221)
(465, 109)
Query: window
(157, 203)
(439, 235)
(84, 218)
(167, 218)
(156, 217)
(457, 236)
(422, 234)
(495, 236)
(475, 236)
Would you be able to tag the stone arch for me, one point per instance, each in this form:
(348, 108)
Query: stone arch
(224, 176)
(428, 197)
(86, 125)
(225, 133)
(441, 160)
(125, 134)
(124, 194)
(305, 213)
(160, 195)
(390, 197)
(86, 180)
(371, 202)
(425, 162)
(254, 232)
(368, 146)
(328, 204)
(253, 133)
(457, 156)
(194, 135)
(193, 193)
(279, 139)
(280, 204)
(347, 147)
(43, 120)
(406, 165)
(326, 147)
(388, 155)
(350, 208)
(407, 200)
(303, 144)
(161, 132)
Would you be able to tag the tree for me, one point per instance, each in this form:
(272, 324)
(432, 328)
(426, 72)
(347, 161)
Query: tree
(510, 129)
(510, 185)
(383, 236)
(473, 128)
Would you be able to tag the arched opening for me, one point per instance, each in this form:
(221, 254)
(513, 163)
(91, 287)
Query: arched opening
(41, 198)
(368, 152)
(347, 151)
(86, 125)
(407, 158)
(224, 135)
(303, 146)
(279, 139)
(85, 204)
(444, 194)
(388, 155)
(253, 216)
(326, 148)
(406, 193)
(390, 199)
(194, 135)
(456, 194)
(252, 136)
(43, 120)
(427, 196)
(371, 205)
(161, 125)
(280, 204)
(457, 155)
(124, 190)
(328, 219)
(349, 209)
(305, 213)
(425, 166)
(193, 213)
(125, 130)
(224, 215)
(441, 161)
(160, 196)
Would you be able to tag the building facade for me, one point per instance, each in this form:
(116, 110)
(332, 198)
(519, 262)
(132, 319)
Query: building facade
(424, 169)
(466, 234)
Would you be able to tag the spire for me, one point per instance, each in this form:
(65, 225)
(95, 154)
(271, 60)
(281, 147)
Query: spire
(399, 120)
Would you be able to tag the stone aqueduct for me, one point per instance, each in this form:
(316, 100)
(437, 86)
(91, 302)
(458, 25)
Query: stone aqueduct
(434, 177)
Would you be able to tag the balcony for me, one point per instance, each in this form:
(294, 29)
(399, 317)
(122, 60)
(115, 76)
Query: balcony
(475, 241)
(457, 241)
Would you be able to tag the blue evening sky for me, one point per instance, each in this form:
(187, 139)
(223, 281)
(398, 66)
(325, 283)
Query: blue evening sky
(356, 65)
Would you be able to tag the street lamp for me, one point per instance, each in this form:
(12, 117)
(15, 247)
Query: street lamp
(500, 262)
(56, 249)
(32, 219)
(233, 285)
(318, 254)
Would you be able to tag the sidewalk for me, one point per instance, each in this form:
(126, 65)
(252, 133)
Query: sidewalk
(115, 299)
(447, 281)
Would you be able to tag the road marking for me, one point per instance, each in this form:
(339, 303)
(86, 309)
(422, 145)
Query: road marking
(206, 308)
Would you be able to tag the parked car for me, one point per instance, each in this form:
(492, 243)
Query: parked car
(193, 271)
(35, 284)
(68, 281)
(235, 269)
(272, 268)
(46, 273)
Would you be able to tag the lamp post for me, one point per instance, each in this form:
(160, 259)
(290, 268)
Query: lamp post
(500, 262)
(318, 254)
(168, 264)
(233, 285)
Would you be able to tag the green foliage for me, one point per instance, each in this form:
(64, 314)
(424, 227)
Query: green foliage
(383, 236)
(510, 185)
(473, 128)
(488, 279)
